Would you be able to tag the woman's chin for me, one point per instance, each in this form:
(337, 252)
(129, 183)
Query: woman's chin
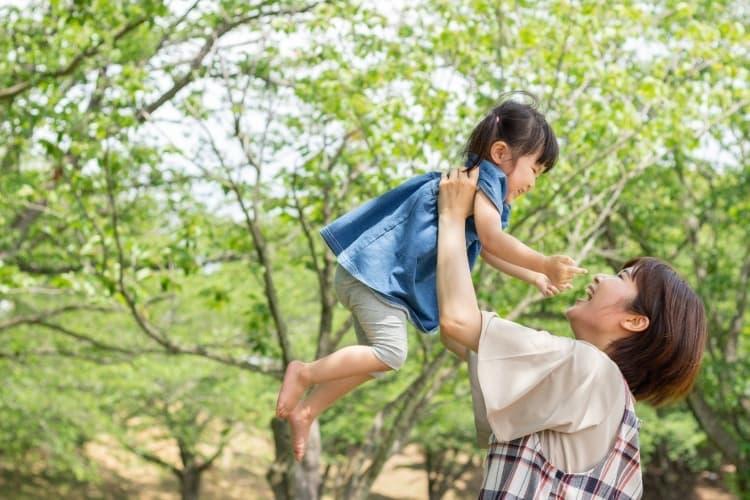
(576, 308)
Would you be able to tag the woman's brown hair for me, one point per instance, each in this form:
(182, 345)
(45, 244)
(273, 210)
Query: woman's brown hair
(661, 363)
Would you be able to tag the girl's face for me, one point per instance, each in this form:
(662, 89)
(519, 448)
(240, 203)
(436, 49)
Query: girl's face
(521, 173)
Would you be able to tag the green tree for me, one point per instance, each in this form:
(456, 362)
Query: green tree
(165, 169)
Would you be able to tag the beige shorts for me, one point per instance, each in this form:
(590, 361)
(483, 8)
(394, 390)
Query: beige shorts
(377, 323)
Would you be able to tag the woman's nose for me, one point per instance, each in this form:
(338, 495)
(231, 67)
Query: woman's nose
(599, 277)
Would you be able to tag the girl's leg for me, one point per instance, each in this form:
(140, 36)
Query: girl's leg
(307, 410)
(350, 361)
(380, 326)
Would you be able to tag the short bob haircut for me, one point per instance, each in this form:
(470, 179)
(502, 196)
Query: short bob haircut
(662, 363)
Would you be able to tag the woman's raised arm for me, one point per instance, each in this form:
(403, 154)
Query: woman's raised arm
(460, 318)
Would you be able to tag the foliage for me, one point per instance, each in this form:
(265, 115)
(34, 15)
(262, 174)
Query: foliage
(165, 167)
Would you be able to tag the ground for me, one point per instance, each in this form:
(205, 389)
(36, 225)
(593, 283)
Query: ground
(240, 474)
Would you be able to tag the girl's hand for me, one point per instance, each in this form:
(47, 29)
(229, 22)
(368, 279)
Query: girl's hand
(457, 190)
(548, 288)
(561, 269)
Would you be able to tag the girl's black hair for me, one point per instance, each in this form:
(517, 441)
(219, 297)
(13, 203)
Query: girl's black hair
(520, 126)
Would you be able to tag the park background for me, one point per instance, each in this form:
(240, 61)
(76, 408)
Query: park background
(165, 169)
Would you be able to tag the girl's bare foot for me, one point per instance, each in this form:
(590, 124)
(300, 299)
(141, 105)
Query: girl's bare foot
(292, 388)
(300, 421)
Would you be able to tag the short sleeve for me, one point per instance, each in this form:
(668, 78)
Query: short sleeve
(481, 424)
(493, 183)
(532, 380)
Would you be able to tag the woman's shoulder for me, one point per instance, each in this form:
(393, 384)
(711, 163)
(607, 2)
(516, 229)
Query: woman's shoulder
(594, 369)
(532, 380)
(495, 326)
(584, 361)
(598, 360)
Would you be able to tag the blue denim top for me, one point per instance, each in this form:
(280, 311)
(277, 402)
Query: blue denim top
(390, 243)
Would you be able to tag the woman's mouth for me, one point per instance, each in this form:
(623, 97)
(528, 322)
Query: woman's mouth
(590, 290)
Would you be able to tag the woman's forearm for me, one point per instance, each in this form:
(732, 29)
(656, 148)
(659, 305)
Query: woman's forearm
(460, 318)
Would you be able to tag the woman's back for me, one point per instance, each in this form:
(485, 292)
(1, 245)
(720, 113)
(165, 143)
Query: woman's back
(554, 406)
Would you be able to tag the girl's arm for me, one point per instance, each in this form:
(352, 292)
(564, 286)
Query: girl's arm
(539, 280)
(497, 242)
(560, 269)
(460, 318)
(502, 265)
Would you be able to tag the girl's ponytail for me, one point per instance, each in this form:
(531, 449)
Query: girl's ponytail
(520, 126)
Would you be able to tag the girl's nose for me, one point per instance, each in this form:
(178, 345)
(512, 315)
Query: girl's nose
(599, 277)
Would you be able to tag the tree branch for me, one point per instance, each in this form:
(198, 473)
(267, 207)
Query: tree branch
(41, 316)
(150, 457)
(224, 439)
(711, 424)
(208, 43)
(14, 90)
(735, 325)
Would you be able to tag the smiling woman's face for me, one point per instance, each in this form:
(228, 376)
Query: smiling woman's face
(599, 317)
(650, 323)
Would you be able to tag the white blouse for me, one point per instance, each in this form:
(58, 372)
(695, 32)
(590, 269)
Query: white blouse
(526, 381)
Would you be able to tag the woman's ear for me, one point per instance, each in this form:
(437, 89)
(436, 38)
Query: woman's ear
(500, 154)
(635, 323)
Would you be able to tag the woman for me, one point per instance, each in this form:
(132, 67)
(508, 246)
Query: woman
(561, 411)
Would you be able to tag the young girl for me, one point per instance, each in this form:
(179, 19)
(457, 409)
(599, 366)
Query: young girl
(387, 255)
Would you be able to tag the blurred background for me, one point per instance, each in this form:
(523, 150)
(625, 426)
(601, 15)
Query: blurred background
(165, 167)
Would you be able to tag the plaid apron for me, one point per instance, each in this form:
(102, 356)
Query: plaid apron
(519, 470)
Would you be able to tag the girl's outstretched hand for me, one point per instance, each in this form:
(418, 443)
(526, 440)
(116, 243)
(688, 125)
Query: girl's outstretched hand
(548, 288)
(457, 190)
(561, 269)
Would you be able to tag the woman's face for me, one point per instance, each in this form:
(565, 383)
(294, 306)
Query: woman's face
(599, 317)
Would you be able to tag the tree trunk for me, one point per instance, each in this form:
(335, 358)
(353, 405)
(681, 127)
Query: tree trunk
(290, 480)
(444, 468)
(434, 483)
(190, 483)
(668, 478)
(743, 479)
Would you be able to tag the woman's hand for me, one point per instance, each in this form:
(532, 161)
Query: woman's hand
(457, 190)
(460, 319)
